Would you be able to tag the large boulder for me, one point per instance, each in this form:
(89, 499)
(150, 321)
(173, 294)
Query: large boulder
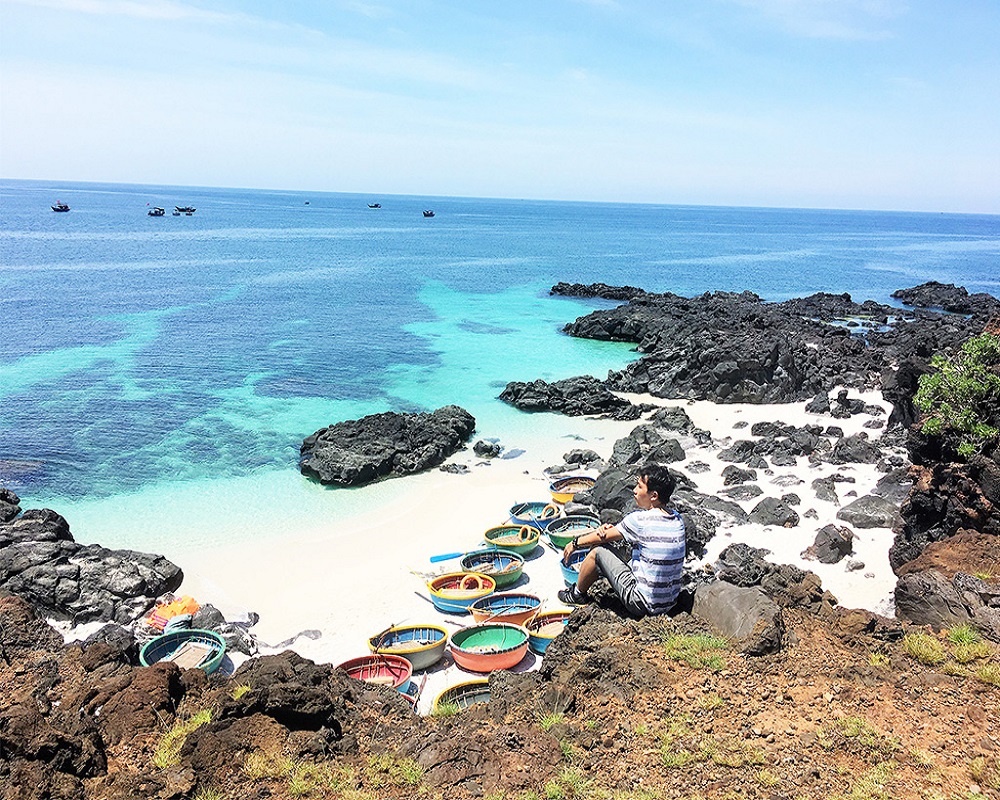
(356, 452)
(931, 598)
(40, 561)
(870, 511)
(831, 544)
(772, 511)
(745, 615)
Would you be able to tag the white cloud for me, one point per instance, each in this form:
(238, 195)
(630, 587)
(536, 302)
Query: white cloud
(852, 20)
(161, 10)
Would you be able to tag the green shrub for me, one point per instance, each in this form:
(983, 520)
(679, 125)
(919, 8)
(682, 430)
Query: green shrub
(167, 752)
(962, 394)
(925, 648)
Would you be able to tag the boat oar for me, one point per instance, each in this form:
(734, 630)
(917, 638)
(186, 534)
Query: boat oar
(449, 556)
(445, 557)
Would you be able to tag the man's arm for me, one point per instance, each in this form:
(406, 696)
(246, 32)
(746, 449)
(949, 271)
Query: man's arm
(606, 533)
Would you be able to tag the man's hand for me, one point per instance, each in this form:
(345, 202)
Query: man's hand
(568, 551)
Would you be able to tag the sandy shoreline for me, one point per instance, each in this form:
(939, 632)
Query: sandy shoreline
(331, 586)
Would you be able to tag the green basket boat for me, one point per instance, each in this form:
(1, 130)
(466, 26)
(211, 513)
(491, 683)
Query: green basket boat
(520, 539)
(563, 530)
(189, 648)
(505, 568)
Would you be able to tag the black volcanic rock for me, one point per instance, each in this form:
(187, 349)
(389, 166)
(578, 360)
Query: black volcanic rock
(357, 452)
(948, 297)
(40, 561)
(596, 290)
(729, 347)
(9, 505)
(831, 544)
(571, 396)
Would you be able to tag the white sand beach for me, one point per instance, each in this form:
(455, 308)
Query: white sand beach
(330, 587)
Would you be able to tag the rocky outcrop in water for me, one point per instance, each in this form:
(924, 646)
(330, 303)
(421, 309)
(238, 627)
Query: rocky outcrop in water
(572, 396)
(357, 452)
(948, 297)
(40, 561)
(731, 347)
(601, 290)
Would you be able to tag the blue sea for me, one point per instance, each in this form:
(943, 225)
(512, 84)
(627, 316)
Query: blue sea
(158, 374)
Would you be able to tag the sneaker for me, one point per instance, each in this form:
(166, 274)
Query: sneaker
(572, 597)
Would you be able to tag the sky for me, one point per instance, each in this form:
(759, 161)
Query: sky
(868, 104)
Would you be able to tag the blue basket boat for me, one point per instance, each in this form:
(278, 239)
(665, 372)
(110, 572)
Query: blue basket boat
(571, 571)
(561, 531)
(505, 568)
(454, 592)
(544, 627)
(537, 514)
(513, 607)
(422, 645)
(189, 648)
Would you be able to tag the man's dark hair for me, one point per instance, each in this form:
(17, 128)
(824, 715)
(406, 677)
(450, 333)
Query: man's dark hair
(658, 479)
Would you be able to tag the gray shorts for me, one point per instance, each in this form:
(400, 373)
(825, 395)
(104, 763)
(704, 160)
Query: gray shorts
(619, 574)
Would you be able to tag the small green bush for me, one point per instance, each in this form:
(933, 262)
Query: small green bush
(962, 394)
(925, 648)
(168, 749)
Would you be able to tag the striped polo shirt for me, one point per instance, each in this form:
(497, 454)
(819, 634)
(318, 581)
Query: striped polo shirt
(658, 550)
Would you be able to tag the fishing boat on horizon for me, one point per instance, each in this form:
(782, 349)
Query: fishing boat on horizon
(374, 205)
(59, 206)
(156, 211)
(428, 213)
(185, 209)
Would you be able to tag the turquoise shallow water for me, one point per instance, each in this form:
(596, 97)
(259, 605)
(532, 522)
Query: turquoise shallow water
(155, 372)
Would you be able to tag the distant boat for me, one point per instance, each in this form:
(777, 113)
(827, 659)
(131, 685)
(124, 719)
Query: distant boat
(156, 211)
(59, 206)
(185, 209)
(307, 202)
(428, 213)
(374, 205)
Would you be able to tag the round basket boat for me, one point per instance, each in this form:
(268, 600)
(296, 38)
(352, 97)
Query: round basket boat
(520, 539)
(489, 647)
(544, 627)
(571, 571)
(410, 691)
(188, 648)
(463, 696)
(563, 489)
(535, 514)
(454, 592)
(513, 607)
(422, 645)
(505, 568)
(561, 531)
(379, 668)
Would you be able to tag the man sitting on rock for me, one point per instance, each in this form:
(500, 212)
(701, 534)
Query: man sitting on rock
(651, 580)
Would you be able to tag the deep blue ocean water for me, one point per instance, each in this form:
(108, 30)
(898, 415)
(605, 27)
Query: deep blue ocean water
(142, 357)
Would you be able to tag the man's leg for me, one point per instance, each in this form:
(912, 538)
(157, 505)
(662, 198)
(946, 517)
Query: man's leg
(622, 580)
